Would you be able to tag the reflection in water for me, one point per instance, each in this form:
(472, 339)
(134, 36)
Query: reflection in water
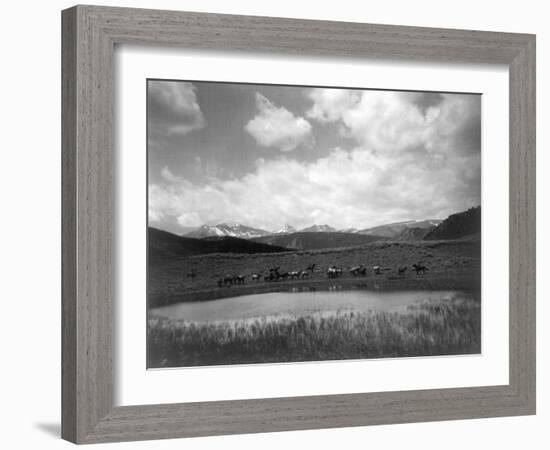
(297, 304)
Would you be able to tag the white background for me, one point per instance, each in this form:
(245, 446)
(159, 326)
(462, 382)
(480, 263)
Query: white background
(30, 225)
(135, 386)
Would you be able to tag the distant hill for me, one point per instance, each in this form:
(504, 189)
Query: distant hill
(413, 234)
(394, 230)
(309, 240)
(225, 229)
(349, 230)
(319, 229)
(458, 225)
(164, 245)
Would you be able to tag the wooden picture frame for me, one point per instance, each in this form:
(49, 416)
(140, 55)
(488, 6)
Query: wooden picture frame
(90, 34)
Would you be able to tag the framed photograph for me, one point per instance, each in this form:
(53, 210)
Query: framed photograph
(278, 224)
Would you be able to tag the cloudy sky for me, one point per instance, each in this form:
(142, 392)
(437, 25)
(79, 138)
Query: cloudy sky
(265, 155)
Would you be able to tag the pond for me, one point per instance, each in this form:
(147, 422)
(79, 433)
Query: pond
(296, 304)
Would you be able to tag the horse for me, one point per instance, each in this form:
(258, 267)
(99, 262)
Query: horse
(272, 276)
(358, 270)
(377, 270)
(311, 267)
(304, 274)
(294, 274)
(334, 272)
(255, 276)
(401, 270)
(420, 268)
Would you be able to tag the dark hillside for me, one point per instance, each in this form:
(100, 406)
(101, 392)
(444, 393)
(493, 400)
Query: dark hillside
(414, 234)
(398, 229)
(166, 246)
(457, 225)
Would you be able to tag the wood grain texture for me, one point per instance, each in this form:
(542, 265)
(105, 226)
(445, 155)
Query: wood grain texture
(89, 36)
(523, 224)
(68, 225)
(88, 209)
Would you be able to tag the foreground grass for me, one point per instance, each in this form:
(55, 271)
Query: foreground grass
(442, 327)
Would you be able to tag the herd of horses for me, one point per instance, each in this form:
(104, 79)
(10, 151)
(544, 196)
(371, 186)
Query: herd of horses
(273, 274)
(276, 274)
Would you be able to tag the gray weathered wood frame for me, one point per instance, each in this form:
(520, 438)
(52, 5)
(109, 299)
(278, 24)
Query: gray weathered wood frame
(89, 36)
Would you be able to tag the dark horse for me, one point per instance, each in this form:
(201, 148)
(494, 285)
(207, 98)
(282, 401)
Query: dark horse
(274, 274)
(419, 268)
(230, 280)
(311, 267)
(358, 270)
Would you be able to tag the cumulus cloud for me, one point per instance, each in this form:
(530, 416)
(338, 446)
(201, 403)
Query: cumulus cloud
(155, 215)
(397, 122)
(356, 188)
(191, 219)
(414, 157)
(277, 127)
(329, 105)
(173, 109)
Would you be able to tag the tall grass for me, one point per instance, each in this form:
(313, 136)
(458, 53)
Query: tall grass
(442, 327)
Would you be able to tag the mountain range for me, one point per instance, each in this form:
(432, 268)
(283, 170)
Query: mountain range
(319, 229)
(399, 230)
(225, 229)
(237, 238)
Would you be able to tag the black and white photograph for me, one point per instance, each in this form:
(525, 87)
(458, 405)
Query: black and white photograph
(289, 224)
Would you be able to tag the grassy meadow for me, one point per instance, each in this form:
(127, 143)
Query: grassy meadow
(452, 265)
(429, 328)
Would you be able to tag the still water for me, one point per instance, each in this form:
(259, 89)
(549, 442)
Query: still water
(297, 304)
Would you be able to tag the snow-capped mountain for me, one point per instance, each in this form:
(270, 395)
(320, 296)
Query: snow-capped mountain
(391, 230)
(319, 229)
(227, 229)
(287, 229)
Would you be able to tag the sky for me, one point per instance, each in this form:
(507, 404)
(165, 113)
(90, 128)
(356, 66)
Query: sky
(270, 155)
